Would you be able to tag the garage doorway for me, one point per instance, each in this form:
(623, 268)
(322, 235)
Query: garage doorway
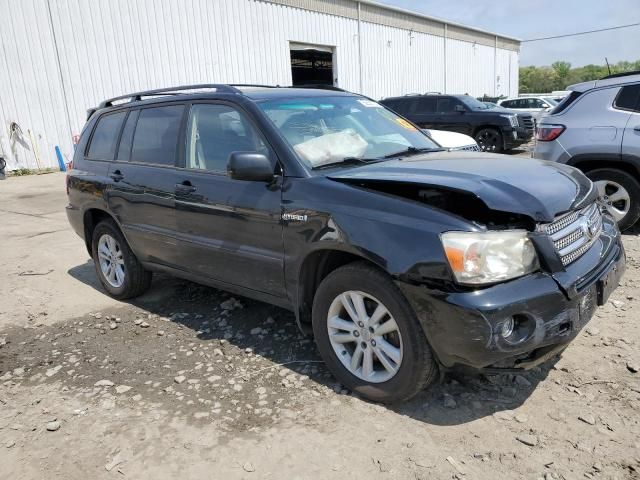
(311, 65)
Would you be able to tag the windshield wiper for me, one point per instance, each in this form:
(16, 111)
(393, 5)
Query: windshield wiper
(348, 161)
(413, 151)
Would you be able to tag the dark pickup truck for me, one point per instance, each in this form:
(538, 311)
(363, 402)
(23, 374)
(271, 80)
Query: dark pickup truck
(494, 128)
(401, 258)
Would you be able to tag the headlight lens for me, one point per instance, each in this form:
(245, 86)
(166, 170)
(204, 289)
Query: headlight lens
(488, 257)
(513, 119)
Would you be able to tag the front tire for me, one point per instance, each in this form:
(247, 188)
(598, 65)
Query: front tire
(369, 336)
(118, 269)
(620, 192)
(489, 140)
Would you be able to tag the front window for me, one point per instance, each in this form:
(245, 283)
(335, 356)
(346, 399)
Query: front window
(473, 104)
(329, 130)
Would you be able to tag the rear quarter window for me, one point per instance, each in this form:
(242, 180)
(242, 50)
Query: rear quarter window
(155, 138)
(105, 136)
(628, 98)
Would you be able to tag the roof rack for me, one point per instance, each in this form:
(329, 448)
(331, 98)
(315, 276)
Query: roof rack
(137, 96)
(622, 74)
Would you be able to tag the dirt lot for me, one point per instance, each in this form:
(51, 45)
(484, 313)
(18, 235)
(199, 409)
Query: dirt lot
(190, 382)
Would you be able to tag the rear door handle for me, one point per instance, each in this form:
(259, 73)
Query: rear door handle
(637, 128)
(116, 176)
(185, 187)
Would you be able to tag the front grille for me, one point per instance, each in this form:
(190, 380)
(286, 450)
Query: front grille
(526, 121)
(575, 232)
(468, 148)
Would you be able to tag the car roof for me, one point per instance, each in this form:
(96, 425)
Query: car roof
(292, 92)
(610, 81)
(216, 91)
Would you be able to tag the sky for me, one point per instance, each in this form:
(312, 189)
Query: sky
(526, 19)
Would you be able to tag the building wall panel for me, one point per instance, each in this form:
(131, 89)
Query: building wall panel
(109, 47)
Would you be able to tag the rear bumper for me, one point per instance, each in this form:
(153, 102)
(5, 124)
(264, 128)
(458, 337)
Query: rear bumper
(74, 215)
(464, 328)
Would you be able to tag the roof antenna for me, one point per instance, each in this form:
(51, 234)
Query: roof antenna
(608, 66)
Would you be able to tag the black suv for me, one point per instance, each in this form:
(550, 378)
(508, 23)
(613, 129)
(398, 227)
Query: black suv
(495, 129)
(402, 258)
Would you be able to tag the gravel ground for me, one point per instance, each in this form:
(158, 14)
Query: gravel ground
(189, 381)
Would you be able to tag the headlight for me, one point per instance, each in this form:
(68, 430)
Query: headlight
(489, 257)
(513, 119)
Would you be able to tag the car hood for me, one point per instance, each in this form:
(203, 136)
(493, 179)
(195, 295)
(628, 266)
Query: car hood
(536, 188)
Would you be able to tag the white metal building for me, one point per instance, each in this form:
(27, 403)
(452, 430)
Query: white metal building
(59, 57)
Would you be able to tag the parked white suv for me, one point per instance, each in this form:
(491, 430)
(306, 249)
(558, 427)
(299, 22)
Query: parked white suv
(535, 105)
(597, 129)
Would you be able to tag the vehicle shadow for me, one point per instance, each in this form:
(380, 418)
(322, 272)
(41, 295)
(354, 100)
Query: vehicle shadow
(454, 399)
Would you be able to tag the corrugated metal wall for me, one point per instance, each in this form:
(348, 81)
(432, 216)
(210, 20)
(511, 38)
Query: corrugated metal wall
(110, 47)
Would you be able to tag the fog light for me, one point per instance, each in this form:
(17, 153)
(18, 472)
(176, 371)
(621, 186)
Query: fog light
(507, 328)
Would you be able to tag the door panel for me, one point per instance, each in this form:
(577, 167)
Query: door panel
(631, 139)
(142, 198)
(229, 230)
(143, 178)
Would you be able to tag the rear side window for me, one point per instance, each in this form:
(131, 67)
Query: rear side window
(398, 105)
(124, 150)
(426, 105)
(155, 139)
(105, 136)
(629, 98)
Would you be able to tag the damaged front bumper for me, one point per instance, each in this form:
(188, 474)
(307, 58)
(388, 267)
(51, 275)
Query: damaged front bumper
(465, 329)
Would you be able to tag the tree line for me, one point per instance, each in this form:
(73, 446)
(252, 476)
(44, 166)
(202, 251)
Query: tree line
(560, 75)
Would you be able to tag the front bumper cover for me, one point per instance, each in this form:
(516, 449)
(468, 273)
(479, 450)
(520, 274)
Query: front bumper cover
(463, 328)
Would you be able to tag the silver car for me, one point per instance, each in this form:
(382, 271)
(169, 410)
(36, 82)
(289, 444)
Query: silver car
(597, 129)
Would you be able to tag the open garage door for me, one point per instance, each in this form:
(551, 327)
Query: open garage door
(311, 65)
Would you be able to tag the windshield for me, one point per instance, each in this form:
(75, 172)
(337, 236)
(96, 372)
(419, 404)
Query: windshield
(474, 104)
(551, 101)
(327, 130)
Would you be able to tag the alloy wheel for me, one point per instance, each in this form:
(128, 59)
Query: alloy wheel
(616, 198)
(111, 260)
(488, 140)
(364, 336)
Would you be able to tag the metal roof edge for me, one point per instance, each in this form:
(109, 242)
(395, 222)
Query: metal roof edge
(413, 13)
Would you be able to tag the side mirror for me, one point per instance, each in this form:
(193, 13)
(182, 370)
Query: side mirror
(250, 166)
(460, 109)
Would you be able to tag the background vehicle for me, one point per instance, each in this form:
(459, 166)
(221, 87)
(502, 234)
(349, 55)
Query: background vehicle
(534, 105)
(597, 129)
(452, 140)
(330, 205)
(494, 130)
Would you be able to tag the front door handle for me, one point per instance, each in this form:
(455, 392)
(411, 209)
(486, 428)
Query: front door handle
(636, 128)
(185, 187)
(116, 176)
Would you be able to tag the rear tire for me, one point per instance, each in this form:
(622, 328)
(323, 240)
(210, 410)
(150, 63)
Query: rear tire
(489, 140)
(621, 194)
(118, 269)
(402, 363)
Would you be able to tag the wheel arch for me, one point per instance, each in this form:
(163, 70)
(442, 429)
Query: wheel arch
(91, 218)
(587, 163)
(313, 269)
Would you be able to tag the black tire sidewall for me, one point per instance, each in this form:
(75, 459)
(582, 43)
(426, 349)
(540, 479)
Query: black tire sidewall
(130, 262)
(418, 366)
(629, 183)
